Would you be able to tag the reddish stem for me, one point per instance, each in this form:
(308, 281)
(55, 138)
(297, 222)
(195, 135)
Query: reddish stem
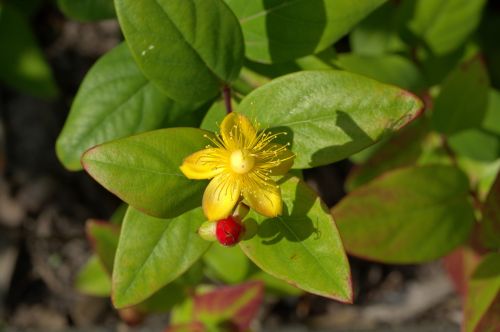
(226, 91)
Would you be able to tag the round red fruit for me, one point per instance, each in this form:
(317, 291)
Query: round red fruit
(229, 231)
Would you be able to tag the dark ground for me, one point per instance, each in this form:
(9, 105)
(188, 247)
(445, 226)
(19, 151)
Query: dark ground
(43, 209)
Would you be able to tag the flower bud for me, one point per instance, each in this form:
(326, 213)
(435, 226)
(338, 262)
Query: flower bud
(207, 230)
(229, 231)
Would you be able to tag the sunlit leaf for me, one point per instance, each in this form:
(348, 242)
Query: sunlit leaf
(277, 31)
(143, 170)
(153, 252)
(187, 48)
(303, 246)
(343, 112)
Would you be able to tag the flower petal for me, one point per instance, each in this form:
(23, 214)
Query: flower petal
(237, 131)
(205, 164)
(221, 196)
(264, 197)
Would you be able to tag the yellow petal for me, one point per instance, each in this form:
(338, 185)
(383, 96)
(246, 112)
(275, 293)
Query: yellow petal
(237, 131)
(264, 197)
(221, 196)
(205, 164)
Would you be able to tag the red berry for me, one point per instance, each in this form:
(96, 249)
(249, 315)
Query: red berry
(228, 231)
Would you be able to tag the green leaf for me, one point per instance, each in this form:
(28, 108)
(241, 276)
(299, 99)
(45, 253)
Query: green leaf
(257, 74)
(229, 308)
(215, 114)
(437, 68)
(174, 293)
(118, 215)
(400, 151)
(491, 120)
(143, 170)
(115, 100)
(277, 31)
(406, 216)
(22, 63)
(93, 279)
(153, 252)
(445, 25)
(483, 296)
(463, 99)
(476, 144)
(391, 69)
(275, 286)
(104, 239)
(228, 264)
(87, 10)
(487, 37)
(490, 224)
(343, 112)
(378, 33)
(403, 149)
(188, 48)
(303, 246)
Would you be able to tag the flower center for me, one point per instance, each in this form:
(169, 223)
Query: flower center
(241, 162)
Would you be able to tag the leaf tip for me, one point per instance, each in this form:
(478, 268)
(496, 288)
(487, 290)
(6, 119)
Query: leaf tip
(85, 158)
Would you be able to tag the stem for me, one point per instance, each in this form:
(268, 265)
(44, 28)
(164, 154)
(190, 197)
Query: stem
(449, 151)
(226, 91)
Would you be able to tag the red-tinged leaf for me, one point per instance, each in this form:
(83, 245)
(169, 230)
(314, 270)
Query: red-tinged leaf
(409, 215)
(483, 296)
(460, 264)
(188, 327)
(490, 225)
(490, 322)
(103, 237)
(233, 306)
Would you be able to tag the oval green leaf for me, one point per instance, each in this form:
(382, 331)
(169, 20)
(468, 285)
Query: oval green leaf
(343, 112)
(408, 215)
(444, 25)
(463, 99)
(87, 10)
(115, 100)
(303, 246)
(227, 264)
(93, 279)
(277, 31)
(490, 224)
(153, 252)
(388, 68)
(188, 48)
(143, 170)
(103, 237)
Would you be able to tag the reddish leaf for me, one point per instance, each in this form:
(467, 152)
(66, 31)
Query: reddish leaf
(490, 322)
(188, 327)
(459, 265)
(490, 225)
(233, 306)
(482, 300)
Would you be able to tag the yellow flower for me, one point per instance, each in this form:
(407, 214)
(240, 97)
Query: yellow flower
(240, 164)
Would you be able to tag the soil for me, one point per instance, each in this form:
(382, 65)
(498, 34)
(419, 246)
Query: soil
(43, 209)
